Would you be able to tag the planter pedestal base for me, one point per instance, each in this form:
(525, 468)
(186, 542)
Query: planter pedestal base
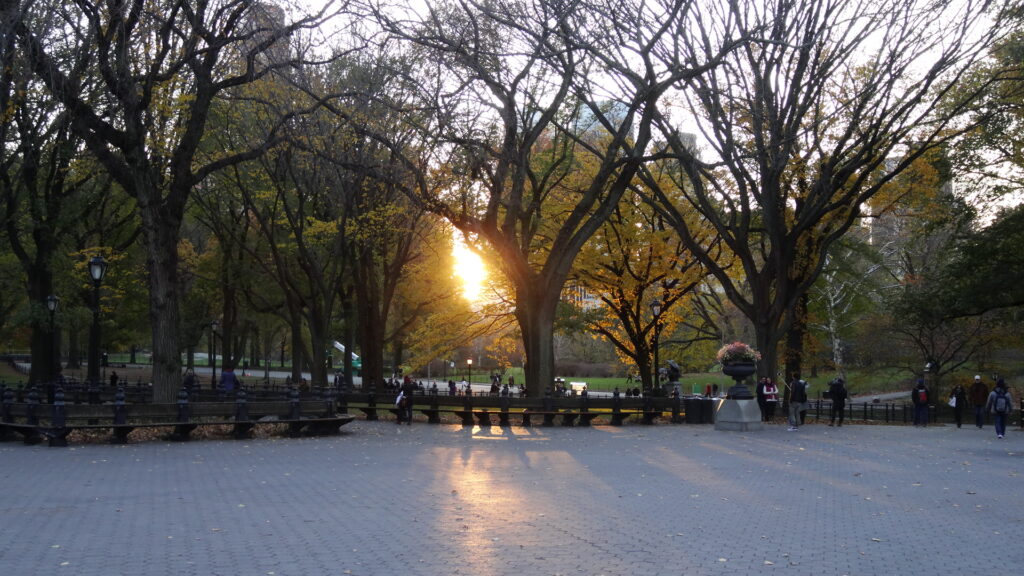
(738, 416)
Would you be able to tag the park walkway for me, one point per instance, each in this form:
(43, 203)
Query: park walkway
(440, 499)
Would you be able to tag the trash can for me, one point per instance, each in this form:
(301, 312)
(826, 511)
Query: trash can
(708, 410)
(694, 410)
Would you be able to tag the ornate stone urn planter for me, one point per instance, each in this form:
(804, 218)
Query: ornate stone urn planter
(739, 361)
(738, 411)
(739, 370)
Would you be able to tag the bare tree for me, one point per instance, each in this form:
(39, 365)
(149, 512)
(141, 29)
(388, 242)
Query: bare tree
(848, 280)
(802, 123)
(519, 97)
(158, 68)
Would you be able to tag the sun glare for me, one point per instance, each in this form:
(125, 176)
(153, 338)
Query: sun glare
(470, 269)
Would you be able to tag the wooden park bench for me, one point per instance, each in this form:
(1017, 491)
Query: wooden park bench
(508, 411)
(35, 422)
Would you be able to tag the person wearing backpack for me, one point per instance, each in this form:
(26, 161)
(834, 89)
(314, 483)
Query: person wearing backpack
(1001, 405)
(919, 396)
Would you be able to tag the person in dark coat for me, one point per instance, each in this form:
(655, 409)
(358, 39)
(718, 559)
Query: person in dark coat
(920, 397)
(405, 410)
(797, 401)
(837, 390)
(762, 401)
(978, 396)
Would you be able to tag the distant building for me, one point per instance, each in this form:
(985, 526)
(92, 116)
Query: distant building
(893, 228)
(590, 124)
(580, 297)
(261, 21)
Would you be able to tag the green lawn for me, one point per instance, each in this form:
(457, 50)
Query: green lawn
(10, 375)
(859, 382)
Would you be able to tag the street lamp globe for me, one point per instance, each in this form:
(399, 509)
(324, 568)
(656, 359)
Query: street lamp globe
(97, 268)
(52, 302)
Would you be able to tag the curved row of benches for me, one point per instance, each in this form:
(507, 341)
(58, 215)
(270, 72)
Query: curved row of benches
(35, 422)
(508, 411)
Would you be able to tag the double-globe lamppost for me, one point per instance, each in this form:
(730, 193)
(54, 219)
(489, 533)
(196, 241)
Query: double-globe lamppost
(97, 268)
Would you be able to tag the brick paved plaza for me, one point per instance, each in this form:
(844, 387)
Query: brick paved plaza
(441, 499)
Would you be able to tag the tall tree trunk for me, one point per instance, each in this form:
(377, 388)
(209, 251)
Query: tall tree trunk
(229, 320)
(268, 351)
(318, 324)
(535, 312)
(296, 338)
(45, 345)
(397, 352)
(74, 348)
(794, 352)
(371, 341)
(161, 232)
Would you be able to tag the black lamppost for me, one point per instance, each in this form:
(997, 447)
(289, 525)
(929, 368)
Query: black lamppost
(97, 268)
(469, 372)
(656, 309)
(53, 363)
(52, 303)
(213, 353)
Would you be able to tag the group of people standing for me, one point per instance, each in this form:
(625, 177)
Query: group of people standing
(768, 397)
(767, 393)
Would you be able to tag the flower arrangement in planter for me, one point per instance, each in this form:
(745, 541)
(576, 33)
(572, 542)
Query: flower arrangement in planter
(737, 353)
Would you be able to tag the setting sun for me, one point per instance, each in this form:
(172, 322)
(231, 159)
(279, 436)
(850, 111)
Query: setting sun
(470, 269)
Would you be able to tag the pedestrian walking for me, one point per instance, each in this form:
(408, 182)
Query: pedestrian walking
(1001, 405)
(405, 410)
(957, 399)
(979, 397)
(837, 390)
(797, 399)
(919, 397)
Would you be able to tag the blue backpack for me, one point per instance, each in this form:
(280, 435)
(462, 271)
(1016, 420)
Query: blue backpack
(1001, 404)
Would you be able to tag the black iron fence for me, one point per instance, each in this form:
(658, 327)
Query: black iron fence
(691, 409)
(902, 413)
